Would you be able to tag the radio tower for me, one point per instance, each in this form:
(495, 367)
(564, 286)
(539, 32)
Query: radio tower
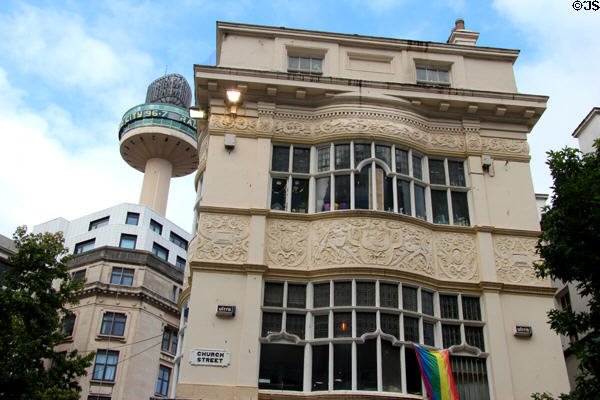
(159, 138)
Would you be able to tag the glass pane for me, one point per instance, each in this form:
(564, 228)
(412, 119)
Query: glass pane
(323, 159)
(388, 295)
(456, 169)
(362, 151)
(421, 74)
(278, 189)
(390, 324)
(427, 302)
(342, 324)
(409, 298)
(321, 295)
(342, 366)
(316, 65)
(320, 367)
(293, 62)
(365, 323)
(384, 153)
(428, 335)
(413, 371)
(323, 202)
(281, 159)
(436, 172)
(281, 367)
(420, 202)
(417, 167)
(271, 323)
(127, 277)
(384, 190)
(403, 193)
(471, 308)
(390, 367)
(450, 335)
(273, 294)
(305, 63)
(474, 337)
(362, 183)
(294, 324)
(342, 192)
(296, 296)
(342, 156)
(366, 365)
(301, 161)
(342, 293)
(321, 326)
(470, 377)
(444, 76)
(448, 306)
(460, 208)
(300, 195)
(411, 329)
(365, 294)
(402, 161)
(439, 207)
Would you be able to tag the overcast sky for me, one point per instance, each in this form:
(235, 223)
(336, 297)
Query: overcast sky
(70, 69)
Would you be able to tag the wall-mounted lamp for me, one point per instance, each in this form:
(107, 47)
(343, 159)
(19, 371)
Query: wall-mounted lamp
(233, 98)
(197, 113)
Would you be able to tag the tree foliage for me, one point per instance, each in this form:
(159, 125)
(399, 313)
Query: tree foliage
(570, 250)
(34, 295)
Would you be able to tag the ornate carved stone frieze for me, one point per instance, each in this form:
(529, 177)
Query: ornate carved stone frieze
(476, 143)
(456, 255)
(372, 242)
(287, 243)
(223, 238)
(226, 122)
(514, 258)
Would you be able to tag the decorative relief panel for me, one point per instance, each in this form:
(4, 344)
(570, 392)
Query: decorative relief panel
(225, 122)
(456, 255)
(372, 242)
(287, 243)
(223, 238)
(514, 257)
(496, 145)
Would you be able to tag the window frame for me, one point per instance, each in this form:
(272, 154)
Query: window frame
(384, 182)
(110, 326)
(310, 58)
(79, 275)
(122, 273)
(161, 381)
(128, 238)
(99, 223)
(69, 323)
(105, 365)
(156, 248)
(178, 240)
(398, 342)
(132, 215)
(433, 67)
(155, 226)
(84, 246)
(171, 338)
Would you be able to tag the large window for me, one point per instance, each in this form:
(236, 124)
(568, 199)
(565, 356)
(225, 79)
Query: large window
(433, 74)
(357, 335)
(113, 324)
(82, 247)
(98, 223)
(305, 64)
(67, 325)
(127, 241)
(122, 276)
(178, 240)
(162, 383)
(160, 251)
(169, 340)
(105, 366)
(370, 176)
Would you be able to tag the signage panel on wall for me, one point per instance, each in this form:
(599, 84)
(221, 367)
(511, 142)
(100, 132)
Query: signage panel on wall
(210, 357)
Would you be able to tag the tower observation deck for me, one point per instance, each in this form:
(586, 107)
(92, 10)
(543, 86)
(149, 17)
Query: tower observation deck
(159, 138)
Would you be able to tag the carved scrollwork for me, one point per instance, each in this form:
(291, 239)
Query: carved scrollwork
(225, 122)
(514, 257)
(287, 243)
(372, 242)
(223, 238)
(457, 255)
(499, 145)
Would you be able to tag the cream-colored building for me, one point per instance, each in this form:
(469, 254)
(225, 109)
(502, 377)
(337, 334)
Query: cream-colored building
(362, 195)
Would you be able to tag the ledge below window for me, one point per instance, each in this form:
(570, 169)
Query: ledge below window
(114, 338)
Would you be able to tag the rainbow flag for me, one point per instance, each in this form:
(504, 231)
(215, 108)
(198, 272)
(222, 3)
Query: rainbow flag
(436, 373)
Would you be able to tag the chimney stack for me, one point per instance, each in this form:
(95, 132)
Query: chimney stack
(462, 36)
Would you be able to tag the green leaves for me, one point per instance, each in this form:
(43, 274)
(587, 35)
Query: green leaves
(35, 293)
(570, 250)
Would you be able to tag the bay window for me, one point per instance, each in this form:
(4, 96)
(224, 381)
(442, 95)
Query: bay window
(358, 335)
(369, 176)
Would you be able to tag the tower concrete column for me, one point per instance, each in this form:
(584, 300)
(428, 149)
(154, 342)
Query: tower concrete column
(155, 188)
